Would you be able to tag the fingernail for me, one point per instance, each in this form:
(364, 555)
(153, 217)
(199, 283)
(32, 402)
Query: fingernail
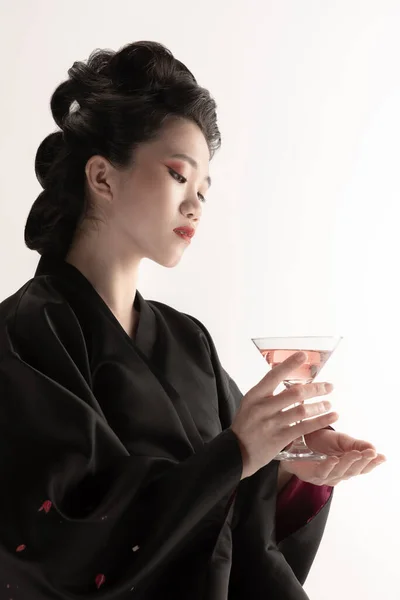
(301, 356)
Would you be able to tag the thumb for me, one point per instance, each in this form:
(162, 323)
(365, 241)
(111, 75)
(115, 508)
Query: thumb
(361, 445)
(348, 443)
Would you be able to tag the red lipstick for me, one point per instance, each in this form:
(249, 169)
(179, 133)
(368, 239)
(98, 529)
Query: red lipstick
(185, 233)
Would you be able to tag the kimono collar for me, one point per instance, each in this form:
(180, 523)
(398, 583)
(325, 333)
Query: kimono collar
(68, 274)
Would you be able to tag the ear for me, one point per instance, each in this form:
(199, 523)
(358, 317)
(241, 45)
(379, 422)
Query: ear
(100, 177)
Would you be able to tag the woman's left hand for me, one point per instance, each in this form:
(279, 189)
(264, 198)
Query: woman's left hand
(347, 458)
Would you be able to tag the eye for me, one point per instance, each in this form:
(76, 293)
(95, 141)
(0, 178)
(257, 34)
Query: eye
(181, 179)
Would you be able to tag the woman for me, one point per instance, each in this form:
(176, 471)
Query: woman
(132, 466)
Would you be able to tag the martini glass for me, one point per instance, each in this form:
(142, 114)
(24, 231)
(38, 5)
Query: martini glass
(318, 349)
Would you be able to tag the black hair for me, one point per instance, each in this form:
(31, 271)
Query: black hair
(109, 105)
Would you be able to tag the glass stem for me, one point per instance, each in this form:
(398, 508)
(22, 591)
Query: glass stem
(299, 444)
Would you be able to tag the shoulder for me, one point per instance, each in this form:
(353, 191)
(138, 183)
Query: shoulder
(35, 317)
(9, 305)
(31, 296)
(29, 302)
(10, 308)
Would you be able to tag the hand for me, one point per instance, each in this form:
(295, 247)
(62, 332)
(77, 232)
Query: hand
(348, 458)
(261, 425)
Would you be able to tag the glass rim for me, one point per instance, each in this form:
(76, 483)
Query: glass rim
(296, 343)
(297, 337)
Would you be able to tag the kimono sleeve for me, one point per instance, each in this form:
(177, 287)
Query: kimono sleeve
(273, 550)
(77, 512)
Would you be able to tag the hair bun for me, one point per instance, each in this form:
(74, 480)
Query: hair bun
(46, 154)
(145, 67)
(62, 99)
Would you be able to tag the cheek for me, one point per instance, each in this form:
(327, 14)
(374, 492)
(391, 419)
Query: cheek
(137, 216)
(147, 204)
(132, 201)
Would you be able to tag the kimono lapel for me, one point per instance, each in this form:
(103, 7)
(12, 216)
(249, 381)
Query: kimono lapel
(147, 343)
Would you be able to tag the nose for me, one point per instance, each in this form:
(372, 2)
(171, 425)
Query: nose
(192, 209)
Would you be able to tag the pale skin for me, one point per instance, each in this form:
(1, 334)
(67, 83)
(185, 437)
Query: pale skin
(139, 208)
(348, 457)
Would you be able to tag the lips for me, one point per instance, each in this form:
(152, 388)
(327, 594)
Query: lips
(185, 231)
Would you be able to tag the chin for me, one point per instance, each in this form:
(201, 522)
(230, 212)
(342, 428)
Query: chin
(168, 262)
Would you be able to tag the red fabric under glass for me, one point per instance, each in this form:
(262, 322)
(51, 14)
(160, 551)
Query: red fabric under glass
(297, 504)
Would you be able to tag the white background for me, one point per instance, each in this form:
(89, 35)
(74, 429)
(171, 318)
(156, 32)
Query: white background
(300, 233)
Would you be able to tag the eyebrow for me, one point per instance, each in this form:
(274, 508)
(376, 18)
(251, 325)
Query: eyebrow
(192, 162)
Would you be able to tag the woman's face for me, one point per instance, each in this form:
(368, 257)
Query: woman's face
(143, 204)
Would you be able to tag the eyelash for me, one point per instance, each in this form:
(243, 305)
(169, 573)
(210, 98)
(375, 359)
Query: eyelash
(184, 180)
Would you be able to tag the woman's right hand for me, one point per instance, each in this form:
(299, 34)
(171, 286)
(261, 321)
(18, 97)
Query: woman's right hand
(263, 429)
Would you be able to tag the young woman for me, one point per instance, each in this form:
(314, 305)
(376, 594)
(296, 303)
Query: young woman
(131, 464)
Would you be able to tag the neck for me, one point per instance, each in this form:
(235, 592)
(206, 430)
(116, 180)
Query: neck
(114, 278)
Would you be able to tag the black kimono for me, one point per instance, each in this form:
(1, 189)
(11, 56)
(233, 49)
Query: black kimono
(119, 474)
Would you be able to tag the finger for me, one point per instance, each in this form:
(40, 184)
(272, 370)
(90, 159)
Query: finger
(299, 393)
(369, 453)
(347, 443)
(367, 456)
(360, 467)
(379, 460)
(304, 411)
(273, 378)
(347, 466)
(324, 470)
(362, 445)
(306, 427)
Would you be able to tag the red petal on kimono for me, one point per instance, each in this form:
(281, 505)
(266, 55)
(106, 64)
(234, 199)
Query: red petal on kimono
(21, 548)
(46, 506)
(100, 579)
